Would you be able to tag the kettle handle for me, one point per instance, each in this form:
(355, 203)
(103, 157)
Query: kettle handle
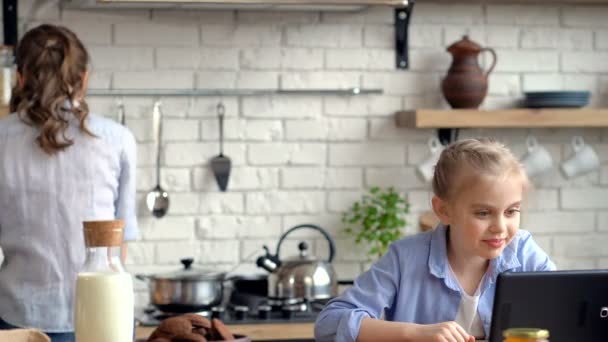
(494, 60)
(332, 247)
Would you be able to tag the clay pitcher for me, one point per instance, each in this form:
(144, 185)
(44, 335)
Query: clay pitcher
(466, 84)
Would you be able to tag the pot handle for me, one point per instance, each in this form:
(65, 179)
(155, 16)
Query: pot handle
(494, 60)
(332, 245)
(142, 277)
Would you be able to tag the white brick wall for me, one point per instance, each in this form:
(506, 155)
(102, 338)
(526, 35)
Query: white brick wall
(325, 36)
(122, 58)
(194, 58)
(250, 35)
(282, 202)
(300, 159)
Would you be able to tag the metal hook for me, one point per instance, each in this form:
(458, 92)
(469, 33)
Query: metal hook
(221, 109)
(121, 112)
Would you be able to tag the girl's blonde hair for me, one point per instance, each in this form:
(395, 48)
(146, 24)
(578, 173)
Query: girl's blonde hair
(482, 156)
(52, 62)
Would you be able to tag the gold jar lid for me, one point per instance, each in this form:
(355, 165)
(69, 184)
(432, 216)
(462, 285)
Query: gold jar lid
(526, 333)
(103, 233)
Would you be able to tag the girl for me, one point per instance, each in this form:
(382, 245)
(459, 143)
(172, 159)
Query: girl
(439, 285)
(59, 166)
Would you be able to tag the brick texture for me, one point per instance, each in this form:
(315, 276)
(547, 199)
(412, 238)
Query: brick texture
(305, 159)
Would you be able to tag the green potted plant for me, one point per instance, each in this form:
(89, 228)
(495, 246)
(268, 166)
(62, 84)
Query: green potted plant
(377, 219)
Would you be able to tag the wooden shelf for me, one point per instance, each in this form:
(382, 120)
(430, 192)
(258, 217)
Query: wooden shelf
(3, 110)
(507, 118)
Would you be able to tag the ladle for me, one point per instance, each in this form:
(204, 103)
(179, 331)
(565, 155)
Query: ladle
(157, 199)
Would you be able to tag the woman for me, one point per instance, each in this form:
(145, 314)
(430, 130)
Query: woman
(59, 166)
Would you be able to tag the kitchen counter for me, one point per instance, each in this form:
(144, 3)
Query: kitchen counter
(278, 331)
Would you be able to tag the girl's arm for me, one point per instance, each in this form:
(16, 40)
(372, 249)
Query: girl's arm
(357, 315)
(373, 292)
(377, 330)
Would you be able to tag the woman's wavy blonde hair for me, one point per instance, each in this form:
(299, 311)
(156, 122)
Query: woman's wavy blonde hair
(482, 156)
(51, 62)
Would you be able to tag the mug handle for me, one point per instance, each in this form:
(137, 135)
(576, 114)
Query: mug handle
(434, 145)
(531, 143)
(578, 143)
(494, 60)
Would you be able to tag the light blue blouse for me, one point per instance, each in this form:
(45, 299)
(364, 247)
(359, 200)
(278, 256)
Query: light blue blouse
(412, 283)
(44, 200)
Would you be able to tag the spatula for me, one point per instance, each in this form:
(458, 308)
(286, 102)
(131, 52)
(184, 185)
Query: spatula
(221, 164)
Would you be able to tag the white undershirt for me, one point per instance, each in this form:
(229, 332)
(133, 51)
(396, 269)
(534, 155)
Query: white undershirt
(467, 316)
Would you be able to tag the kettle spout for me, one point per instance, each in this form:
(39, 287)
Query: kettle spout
(268, 262)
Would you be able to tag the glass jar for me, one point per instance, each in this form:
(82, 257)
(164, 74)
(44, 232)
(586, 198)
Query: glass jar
(8, 75)
(525, 335)
(104, 303)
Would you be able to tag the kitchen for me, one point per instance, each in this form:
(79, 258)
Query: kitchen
(306, 158)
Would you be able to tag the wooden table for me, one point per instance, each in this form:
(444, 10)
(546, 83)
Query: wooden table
(261, 331)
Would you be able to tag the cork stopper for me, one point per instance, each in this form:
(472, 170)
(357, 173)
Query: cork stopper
(103, 233)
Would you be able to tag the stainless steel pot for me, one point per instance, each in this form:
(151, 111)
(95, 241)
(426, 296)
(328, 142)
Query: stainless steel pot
(186, 290)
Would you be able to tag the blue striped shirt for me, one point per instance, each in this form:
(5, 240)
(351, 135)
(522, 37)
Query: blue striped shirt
(43, 201)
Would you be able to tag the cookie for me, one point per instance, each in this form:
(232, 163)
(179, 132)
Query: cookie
(160, 339)
(189, 337)
(198, 321)
(200, 331)
(175, 326)
(221, 330)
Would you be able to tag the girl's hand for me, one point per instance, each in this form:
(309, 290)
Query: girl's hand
(441, 332)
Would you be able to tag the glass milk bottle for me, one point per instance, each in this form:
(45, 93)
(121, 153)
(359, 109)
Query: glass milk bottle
(104, 304)
(7, 73)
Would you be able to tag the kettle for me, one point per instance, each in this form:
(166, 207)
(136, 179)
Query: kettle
(302, 276)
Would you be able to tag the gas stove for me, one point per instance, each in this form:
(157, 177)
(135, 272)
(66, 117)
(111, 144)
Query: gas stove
(248, 310)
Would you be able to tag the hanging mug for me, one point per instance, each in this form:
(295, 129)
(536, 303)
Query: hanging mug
(537, 159)
(583, 160)
(426, 169)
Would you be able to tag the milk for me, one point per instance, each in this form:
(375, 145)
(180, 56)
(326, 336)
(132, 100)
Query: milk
(104, 307)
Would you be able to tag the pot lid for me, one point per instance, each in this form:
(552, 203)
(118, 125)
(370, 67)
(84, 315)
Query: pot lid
(190, 273)
(464, 45)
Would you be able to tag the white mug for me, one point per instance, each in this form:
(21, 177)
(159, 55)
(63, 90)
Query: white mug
(537, 159)
(426, 169)
(583, 160)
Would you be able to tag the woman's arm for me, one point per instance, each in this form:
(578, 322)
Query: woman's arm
(125, 204)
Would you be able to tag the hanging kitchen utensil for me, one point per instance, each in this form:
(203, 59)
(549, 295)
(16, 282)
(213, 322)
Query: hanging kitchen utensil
(121, 113)
(157, 199)
(220, 164)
